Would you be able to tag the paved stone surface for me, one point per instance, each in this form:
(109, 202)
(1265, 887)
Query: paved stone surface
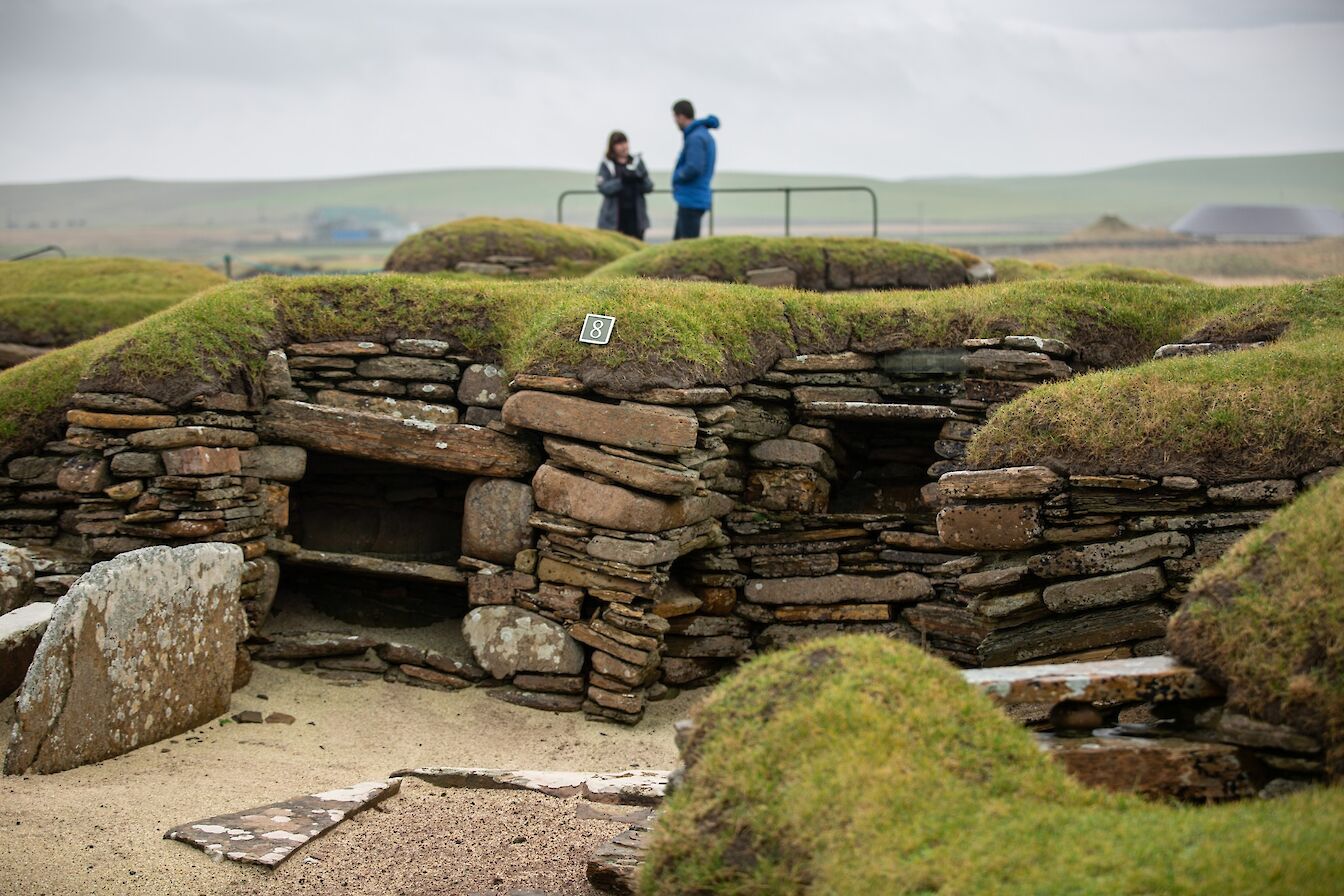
(267, 835)
(141, 648)
(505, 640)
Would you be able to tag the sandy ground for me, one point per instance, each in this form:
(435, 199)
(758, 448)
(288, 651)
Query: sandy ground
(436, 842)
(98, 829)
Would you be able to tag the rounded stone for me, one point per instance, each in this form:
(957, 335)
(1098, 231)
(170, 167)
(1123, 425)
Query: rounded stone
(16, 578)
(494, 520)
(507, 640)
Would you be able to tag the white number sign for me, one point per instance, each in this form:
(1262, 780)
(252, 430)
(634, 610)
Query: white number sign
(597, 329)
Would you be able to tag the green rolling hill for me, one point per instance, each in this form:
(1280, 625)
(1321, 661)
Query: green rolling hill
(211, 214)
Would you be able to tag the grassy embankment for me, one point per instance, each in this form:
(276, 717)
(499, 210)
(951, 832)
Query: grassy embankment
(565, 251)
(860, 765)
(59, 301)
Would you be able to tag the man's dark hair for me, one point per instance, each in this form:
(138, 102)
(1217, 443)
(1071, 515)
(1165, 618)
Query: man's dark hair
(683, 108)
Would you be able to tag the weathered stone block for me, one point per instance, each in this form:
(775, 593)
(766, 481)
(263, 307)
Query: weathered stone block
(20, 632)
(997, 527)
(656, 428)
(788, 489)
(281, 463)
(661, 479)
(141, 648)
(201, 461)
(483, 385)
(17, 577)
(794, 453)
(1106, 557)
(84, 475)
(1014, 364)
(841, 588)
(614, 507)
(1103, 591)
(401, 408)
(494, 519)
(1007, 482)
(507, 640)
(1259, 492)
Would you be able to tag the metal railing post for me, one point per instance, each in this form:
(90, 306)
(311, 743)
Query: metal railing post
(788, 201)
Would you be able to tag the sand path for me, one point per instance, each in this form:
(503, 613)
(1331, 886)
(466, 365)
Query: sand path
(97, 829)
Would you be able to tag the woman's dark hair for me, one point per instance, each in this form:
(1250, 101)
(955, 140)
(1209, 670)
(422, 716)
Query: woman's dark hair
(616, 137)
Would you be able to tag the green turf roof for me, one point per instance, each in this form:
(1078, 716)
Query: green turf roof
(59, 301)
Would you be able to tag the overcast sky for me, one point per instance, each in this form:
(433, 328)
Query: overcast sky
(223, 89)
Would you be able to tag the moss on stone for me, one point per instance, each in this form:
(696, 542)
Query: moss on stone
(566, 250)
(859, 765)
(1008, 270)
(820, 263)
(52, 302)
(1267, 622)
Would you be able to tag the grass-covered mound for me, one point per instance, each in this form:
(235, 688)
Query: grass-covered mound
(59, 301)
(565, 250)
(1267, 622)
(667, 333)
(863, 766)
(820, 263)
(1272, 411)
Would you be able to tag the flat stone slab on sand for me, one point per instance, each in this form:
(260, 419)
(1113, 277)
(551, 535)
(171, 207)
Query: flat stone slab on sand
(636, 787)
(267, 835)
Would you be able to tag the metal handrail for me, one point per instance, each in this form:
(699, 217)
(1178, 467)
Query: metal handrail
(39, 252)
(787, 191)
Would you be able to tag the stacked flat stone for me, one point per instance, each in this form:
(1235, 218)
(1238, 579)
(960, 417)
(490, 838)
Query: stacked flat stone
(1080, 567)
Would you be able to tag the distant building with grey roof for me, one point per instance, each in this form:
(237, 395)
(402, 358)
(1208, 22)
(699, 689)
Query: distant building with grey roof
(1260, 222)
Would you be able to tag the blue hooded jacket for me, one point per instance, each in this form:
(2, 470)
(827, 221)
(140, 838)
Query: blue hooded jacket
(695, 165)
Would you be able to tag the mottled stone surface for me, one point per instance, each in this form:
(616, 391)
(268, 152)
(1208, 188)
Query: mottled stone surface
(614, 507)
(483, 385)
(902, 587)
(1107, 557)
(141, 648)
(1007, 482)
(1104, 591)
(494, 519)
(996, 527)
(17, 578)
(628, 424)
(636, 787)
(1107, 681)
(505, 640)
(1160, 767)
(267, 835)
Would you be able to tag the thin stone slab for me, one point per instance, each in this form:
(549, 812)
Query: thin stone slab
(21, 631)
(1161, 767)
(267, 835)
(614, 867)
(1138, 679)
(409, 570)
(636, 787)
(873, 410)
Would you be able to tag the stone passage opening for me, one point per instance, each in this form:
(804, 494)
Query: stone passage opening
(882, 466)
(378, 543)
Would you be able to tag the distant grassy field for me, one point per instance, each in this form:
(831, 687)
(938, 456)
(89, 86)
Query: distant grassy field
(1217, 261)
(204, 217)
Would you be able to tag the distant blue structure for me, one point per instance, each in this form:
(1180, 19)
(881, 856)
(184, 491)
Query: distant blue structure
(357, 224)
(1270, 223)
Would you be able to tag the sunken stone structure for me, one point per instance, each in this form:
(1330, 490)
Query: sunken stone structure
(602, 546)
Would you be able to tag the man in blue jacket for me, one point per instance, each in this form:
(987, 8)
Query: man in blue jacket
(695, 169)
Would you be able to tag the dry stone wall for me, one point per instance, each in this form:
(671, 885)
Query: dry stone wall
(638, 542)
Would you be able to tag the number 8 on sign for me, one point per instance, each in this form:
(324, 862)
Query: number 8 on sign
(597, 329)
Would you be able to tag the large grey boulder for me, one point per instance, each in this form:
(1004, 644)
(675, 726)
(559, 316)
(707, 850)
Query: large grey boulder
(141, 648)
(507, 640)
(16, 578)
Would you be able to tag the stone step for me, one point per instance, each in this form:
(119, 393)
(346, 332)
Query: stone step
(1136, 679)
(410, 570)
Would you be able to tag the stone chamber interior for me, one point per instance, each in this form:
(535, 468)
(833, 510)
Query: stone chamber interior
(379, 543)
(882, 467)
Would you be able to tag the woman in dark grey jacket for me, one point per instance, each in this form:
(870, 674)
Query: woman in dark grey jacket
(623, 180)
